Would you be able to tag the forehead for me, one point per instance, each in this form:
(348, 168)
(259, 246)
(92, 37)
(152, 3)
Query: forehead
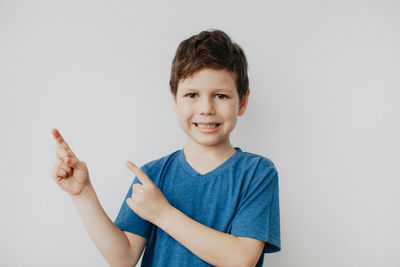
(208, 79)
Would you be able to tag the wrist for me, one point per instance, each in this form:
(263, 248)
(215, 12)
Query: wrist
(167, 213)
(85, 193)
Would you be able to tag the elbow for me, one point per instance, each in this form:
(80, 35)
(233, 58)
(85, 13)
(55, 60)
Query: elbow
(248, 263)
(241, 258)
(122, 265)
(122, 262)
(239, 261)
(243, 255)
(237, 264)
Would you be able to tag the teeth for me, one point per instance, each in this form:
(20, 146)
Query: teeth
(206, 125)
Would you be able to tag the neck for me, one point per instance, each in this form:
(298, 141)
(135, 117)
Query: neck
(201, 152)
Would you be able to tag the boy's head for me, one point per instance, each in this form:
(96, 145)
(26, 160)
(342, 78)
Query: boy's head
(209, 49)
(209, 87)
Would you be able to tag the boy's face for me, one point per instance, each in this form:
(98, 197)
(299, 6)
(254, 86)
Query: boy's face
(208, 96)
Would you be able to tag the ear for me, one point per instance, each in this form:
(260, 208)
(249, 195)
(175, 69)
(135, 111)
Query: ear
(243, 105)
(174, 106)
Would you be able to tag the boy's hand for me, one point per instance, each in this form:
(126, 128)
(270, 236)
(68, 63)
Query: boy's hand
(147, 200)
(69, 172)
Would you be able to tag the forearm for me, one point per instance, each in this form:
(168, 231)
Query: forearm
(108, 238)
(212, 246)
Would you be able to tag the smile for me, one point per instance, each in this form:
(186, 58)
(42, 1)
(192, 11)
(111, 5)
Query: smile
(208, 128)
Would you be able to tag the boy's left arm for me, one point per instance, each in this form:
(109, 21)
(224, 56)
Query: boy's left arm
(212, 246)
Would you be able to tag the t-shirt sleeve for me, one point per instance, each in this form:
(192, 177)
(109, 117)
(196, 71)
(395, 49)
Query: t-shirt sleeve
(257, 215)
(127, 220)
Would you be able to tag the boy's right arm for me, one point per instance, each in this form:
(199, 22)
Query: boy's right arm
(117, 247)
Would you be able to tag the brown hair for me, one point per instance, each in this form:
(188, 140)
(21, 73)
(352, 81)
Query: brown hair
(213, 49)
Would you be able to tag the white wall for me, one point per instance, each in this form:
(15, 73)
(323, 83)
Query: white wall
(324, 107)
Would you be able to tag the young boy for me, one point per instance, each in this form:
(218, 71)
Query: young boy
(207, 204)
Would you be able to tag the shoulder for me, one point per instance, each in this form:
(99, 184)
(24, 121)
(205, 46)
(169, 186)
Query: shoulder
(259, 178)
(257, 162)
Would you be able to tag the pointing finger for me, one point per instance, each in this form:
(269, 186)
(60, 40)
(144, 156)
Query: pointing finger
(139, 173)
(62, 153)
(59, 139)
(61, 142)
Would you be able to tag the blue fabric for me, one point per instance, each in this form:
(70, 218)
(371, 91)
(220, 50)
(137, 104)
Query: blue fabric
(239, 197)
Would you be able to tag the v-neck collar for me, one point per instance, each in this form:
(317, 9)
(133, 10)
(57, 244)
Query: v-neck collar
(193, 173)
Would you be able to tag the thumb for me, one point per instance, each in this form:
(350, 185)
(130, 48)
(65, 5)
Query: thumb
(129, 202)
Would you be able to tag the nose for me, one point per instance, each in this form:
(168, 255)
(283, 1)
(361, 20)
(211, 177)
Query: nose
(206, 106)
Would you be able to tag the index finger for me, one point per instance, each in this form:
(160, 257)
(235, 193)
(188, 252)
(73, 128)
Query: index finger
(59, 139)
(139, 173)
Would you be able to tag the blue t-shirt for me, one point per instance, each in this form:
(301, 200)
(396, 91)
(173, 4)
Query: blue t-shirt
(239, 197)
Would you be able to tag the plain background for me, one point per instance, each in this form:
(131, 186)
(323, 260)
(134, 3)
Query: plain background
(324, 108)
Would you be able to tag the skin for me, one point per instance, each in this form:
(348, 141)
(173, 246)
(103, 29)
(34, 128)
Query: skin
(199, 99)
(69, 172)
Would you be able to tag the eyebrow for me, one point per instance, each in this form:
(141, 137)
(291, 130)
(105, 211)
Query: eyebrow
(217, 89)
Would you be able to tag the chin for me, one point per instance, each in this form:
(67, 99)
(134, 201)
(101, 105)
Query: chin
(208, 142)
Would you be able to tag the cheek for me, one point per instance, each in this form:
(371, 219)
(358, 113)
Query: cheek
(185, 108)
(184, 113)
(229, 111)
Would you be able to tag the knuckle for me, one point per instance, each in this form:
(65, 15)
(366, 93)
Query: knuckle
(55, 170)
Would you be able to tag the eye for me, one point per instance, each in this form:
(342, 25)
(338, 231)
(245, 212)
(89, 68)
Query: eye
(190, 95)
(221, 96)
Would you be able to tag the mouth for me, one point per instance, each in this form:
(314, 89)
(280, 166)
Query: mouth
(208, 128)
(208, 125)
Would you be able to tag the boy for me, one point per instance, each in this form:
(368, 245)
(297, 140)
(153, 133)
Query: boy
(207, 204)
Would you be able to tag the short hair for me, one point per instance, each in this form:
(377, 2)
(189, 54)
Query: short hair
(213, 49)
